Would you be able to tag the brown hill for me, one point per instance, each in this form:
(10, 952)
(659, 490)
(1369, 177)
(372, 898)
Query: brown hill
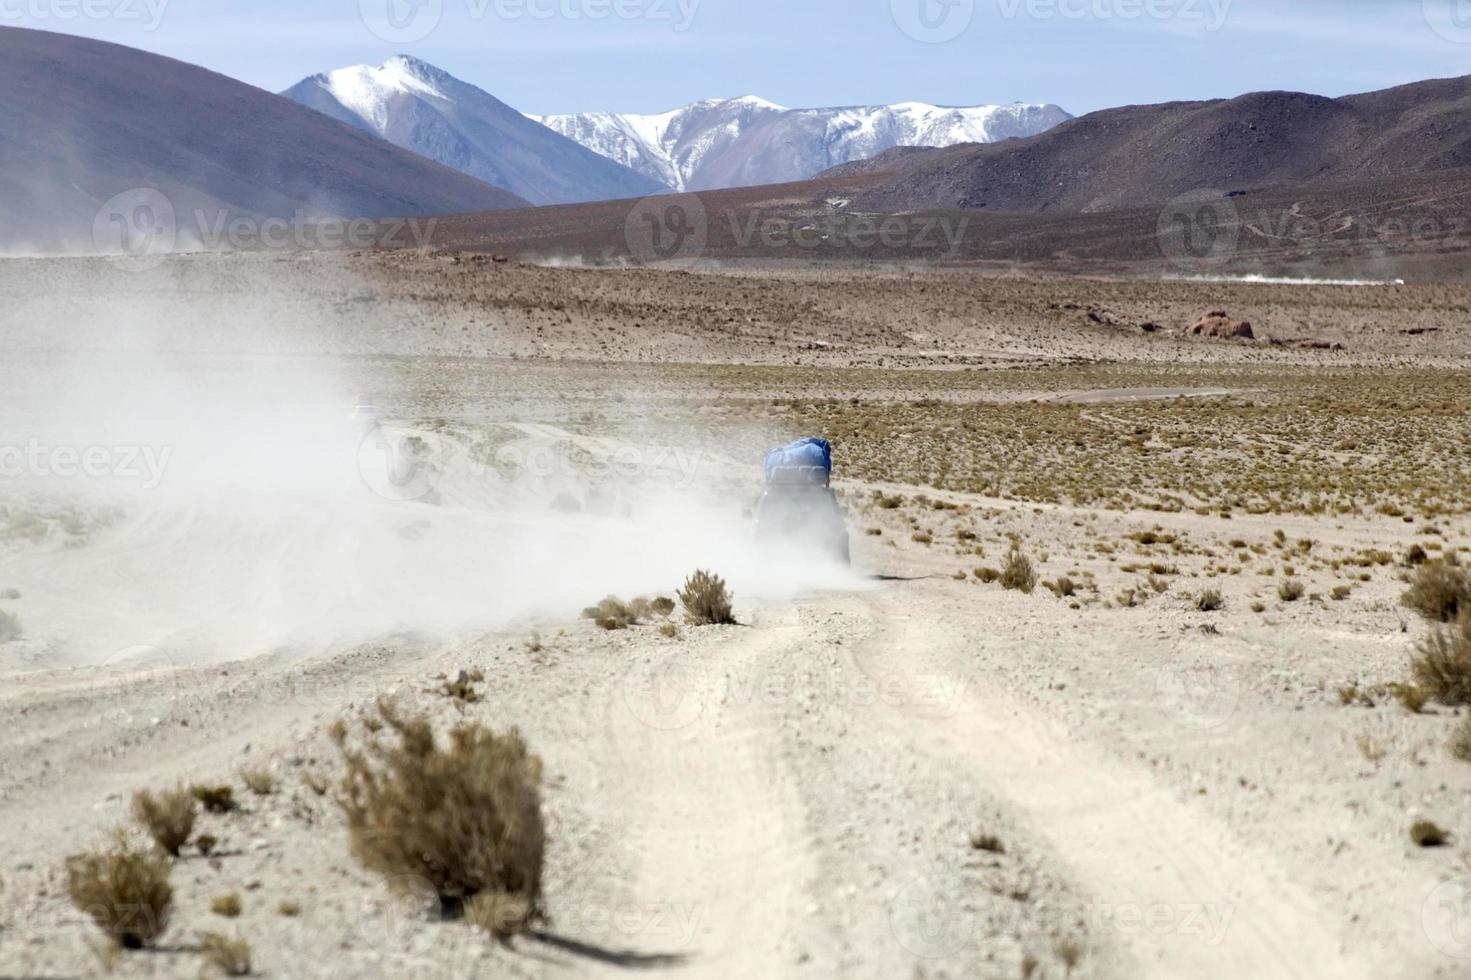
(1141, 155)
(83, 121)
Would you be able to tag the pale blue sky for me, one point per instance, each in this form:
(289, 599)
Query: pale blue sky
(649, 55)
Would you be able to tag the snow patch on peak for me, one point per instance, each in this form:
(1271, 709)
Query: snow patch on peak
(367, 90)
(756, 102)
(732, 142)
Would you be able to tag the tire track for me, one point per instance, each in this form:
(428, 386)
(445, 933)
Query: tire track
(1170, 883)
(716, 821)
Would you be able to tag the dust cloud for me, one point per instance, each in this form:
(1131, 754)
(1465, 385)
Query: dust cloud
(154, 497)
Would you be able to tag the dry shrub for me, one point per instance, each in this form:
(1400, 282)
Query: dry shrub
(664, 606)
(1412, 697)
(1291, 590)
(126, 892)
(9, 627)
(1210, 600)
(288, 909)
(1425, 833)
(230, 956)
(1460, 743)
(987, 575)
(258, 779)
(216, 799)
(462, 688)
(1069, 951)
(987, 842)
(1018, 574)
(613, 614)
(707, 602)
(1441, 668)
(464, 818)
(1063, 588)
(1439, 591)
(230, 906)
(168, 817)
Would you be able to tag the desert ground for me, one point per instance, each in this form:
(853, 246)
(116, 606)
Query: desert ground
(1187, 747)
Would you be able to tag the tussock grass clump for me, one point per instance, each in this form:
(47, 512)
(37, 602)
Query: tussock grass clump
(1411, 696)
(168, 817)
(126, 892)
(987, 842)
(229, 955)
(1063, 588)
(1210, 600)
(1424, 833)
(987, 575)
(1018, 574)
(1291, 590)
(258, 779)
(9, 627)
(612, 614)
(707, 602)
(215, 799)
(462, 689)
(1460, 743)
(1441, 667)
(230, 906)
(463, 818)
(1439, 591)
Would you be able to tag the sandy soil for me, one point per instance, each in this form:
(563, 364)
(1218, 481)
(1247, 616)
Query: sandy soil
(1175, 793)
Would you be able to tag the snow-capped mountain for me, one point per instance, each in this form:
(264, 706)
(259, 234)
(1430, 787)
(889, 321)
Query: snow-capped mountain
(421, 108)
(747, 141)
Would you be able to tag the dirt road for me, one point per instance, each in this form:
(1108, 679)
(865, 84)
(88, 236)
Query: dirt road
(795, 796)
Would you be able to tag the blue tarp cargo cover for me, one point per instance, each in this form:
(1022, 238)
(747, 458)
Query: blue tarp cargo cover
(803, 455)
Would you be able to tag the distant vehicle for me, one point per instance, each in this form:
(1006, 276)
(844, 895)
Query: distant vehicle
(798, 510)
